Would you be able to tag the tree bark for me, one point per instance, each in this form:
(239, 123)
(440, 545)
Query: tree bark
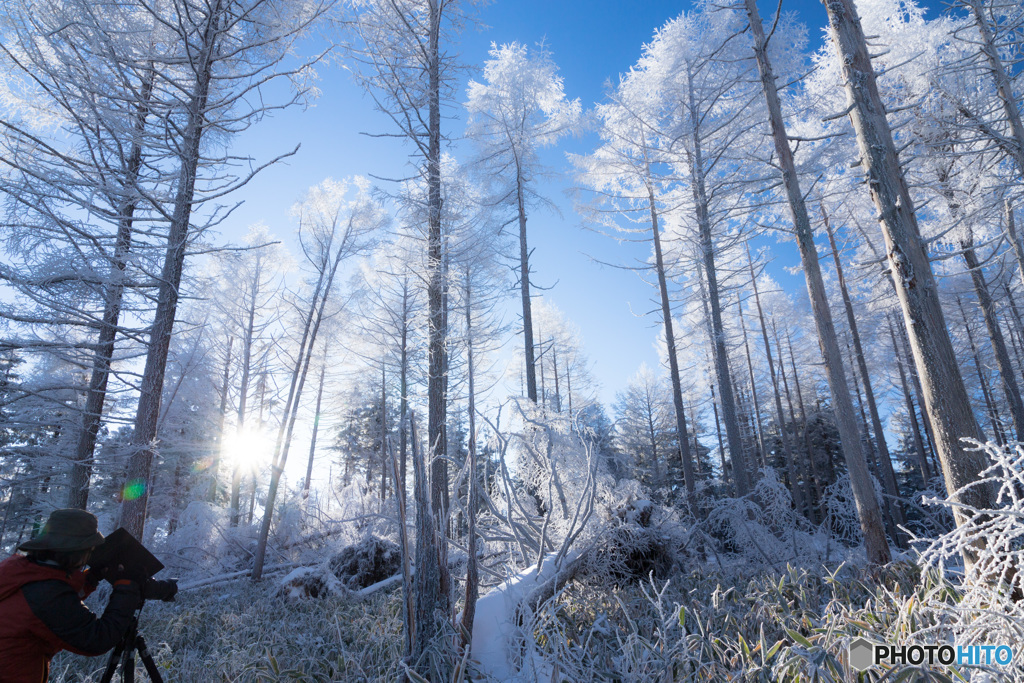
(316, 428)
(670, 344)
(888, 474)
(786, 446)
(524, 291)
(868, 509)
(81, 469)
(433, 581)
(138, 480)
(718, 431)
(472, 571)
(946, 400)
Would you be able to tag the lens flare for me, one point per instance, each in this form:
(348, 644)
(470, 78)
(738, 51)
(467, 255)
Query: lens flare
(133, 489)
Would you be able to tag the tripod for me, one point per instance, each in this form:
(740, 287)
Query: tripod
(124, 652)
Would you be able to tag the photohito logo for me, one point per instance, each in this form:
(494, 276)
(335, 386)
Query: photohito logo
(863, 653)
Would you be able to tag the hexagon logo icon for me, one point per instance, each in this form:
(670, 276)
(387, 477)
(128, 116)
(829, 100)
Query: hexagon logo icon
(861, 651)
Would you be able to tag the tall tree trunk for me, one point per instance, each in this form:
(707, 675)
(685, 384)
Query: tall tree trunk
(219, 449)
(997, 429)
(432, 580)
(1016, 242)
(818, 481)
(113, 295)
(568, 383)
(740, 471)
(243, 390)
(946, 399)
(472, 572)
(540, 361)
(670, 344)
(758, 427)
(888, 474)
(554, 371)
(1018, 344)
(138, 480)
(922, 454)
(316, 428)
(524, 292)
(868, 510)
(995, 334)
(383, 431)
(403, 382)
(655, 465)
(718, 431)
(787, 449)
(282, 448)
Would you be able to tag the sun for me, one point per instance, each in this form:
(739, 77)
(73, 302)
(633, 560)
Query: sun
(247, 445)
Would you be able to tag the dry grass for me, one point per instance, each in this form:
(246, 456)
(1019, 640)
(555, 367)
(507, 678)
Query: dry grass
(241, 632)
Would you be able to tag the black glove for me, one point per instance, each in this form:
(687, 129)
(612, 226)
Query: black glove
(164, 590)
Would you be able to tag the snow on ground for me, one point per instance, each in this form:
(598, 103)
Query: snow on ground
(495, 629)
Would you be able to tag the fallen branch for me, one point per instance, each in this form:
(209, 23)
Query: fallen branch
(380, 585)
(232, 576)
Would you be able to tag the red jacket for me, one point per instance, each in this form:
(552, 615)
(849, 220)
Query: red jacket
(42, 613)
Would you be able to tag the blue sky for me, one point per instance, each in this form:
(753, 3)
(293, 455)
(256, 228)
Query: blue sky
(592, 41)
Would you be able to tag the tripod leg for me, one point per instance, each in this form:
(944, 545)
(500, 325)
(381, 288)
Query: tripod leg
(128, 667)
(115, 657)
(147, 660)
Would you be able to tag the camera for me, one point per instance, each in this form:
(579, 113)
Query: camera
(122, 556)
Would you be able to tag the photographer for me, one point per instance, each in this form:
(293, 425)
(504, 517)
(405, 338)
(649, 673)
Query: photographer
(41, 592)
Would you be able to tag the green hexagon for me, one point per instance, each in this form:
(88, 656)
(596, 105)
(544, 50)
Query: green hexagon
(861, 654)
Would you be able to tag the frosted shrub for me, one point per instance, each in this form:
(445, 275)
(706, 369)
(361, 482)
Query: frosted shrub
(190, 547)
(841, 511)
(547, 482)
(990, 609)
(769, 531)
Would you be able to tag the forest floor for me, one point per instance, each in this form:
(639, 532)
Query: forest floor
(780, 625)
(245, 632)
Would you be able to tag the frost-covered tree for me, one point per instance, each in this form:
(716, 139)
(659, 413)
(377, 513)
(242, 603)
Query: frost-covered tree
(644, 426)
(622, 174)
(992, 37)
(868, 509)
(390, 305)
(78, 92)
(519, 109)
(337, 221)
(403, 62)
(711, 111)
(249, 288)
(946, 398)
(220, 54)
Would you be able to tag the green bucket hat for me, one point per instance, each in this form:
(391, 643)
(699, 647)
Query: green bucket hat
(67, 530)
